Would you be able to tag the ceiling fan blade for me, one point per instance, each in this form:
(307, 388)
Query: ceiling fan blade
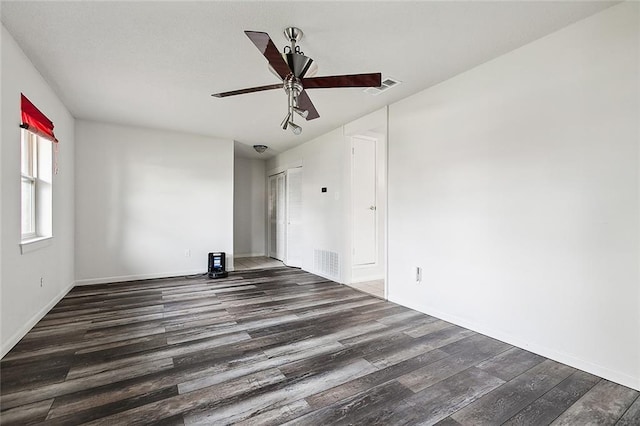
(352, 80)
(249, 90)
(305, 103)
(270, 51)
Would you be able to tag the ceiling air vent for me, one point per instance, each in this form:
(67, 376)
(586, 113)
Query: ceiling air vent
(387, 84)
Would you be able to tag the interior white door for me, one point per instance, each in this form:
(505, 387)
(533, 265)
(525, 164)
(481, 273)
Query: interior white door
(364, 174)
(271, 213)
(277, 216)
(294, 217)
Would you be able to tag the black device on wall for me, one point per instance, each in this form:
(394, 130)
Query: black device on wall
(217, 262)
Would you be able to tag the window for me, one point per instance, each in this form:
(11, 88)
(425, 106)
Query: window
(36, 187)
(35, 177)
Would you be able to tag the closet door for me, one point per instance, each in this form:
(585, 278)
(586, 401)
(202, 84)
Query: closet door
(294, 217)
(277, 225)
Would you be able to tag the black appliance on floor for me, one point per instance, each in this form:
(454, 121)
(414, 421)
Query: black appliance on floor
(217, 262)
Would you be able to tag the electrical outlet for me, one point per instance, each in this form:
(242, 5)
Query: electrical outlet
(41, 281)
(418, 274)
(187, 253)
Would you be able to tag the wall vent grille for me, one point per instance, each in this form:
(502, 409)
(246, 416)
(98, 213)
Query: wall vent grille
(387, 84)
(326, 263)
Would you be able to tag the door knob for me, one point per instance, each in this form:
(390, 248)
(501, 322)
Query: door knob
(372, 207)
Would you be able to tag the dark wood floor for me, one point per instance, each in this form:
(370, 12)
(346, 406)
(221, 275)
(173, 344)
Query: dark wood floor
(276, 346)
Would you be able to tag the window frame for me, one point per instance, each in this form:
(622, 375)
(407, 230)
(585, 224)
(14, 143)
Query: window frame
(32, 172)
(29, 141)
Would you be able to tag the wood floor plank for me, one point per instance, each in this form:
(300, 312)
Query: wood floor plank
(432, 325)
(278, 415)
(361, 384)
(65, 413)
(19, 375)
(448, 422)
(426, 343)
(110, 323)
(268, 363)
(391, 333)
(323, 340)
(120, 348)
(547, 408)
(504, 402)
(271, 346)
(511, 363)
(604, 404)
(632, 415)
(142, 385)
(255, 345)
(437, 401)
(440, 370)
(348, 352)
(26, 414)
(248, 407)
(41, 393)
(204, 399)
(352, 410)
(167, 352)
(77, 344)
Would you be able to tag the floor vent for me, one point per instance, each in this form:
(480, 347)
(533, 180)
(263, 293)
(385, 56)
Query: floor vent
(387, 84)
(326, 263)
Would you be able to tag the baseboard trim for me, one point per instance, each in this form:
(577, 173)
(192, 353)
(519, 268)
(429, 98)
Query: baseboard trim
(367, 278)
(136, 277)
(568, 359)
(18, 335)
(320, 274)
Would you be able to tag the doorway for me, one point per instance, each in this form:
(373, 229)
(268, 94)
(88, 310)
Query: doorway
(285, 217)
(364, 201)
(276, 229)
(368, 211)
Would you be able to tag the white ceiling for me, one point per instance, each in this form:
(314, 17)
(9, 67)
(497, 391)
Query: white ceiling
(156, 63)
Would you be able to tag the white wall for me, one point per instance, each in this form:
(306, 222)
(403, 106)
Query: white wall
(23, 301)
(146, 196)
(324, 162)
(249, 223)
(515, 186)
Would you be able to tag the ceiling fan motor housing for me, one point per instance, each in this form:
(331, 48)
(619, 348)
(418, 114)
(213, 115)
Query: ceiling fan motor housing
(300, 64)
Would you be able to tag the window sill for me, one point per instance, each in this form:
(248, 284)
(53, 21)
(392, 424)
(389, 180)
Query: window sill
(33, 244)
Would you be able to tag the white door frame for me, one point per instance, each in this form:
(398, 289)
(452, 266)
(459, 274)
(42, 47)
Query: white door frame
(379, 269)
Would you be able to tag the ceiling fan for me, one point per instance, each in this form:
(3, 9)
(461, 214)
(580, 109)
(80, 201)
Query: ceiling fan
(297, 74)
